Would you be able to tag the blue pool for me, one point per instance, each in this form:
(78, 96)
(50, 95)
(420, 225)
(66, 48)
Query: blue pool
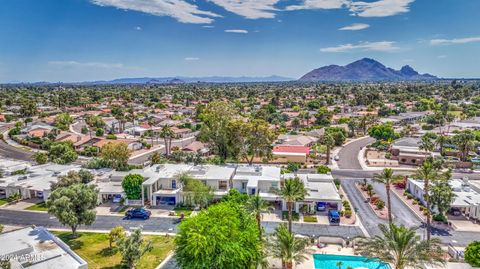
(324, 261)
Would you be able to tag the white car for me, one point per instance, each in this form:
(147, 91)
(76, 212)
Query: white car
(336, 158)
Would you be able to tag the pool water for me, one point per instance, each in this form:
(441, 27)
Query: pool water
(324, 261)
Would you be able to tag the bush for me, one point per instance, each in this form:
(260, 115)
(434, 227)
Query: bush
(380, 204)
(337, 183)
(440, 218)
(111, 137)
(310, 219)
(322, 169)
(295, 216)
(348, 213)
(100, 132)
(472, 254)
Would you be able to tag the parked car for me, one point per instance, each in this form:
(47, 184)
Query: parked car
(333, 217)
(117, 198)
(138, 213)
(336, 158)
(321, 206)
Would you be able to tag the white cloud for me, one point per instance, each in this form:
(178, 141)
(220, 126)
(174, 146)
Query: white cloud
(384, 46)
(191, 58)
(455, 41)
(250, 9)
(320, 4)
(236, 31)
(442, 56)
(355, 27)
(381, 8)
(138, 28)
(86, 64)
(208, 26)
(178, 9)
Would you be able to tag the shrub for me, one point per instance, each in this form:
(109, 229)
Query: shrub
(380, 204)
(322, 169)
(309, 218)
(111, 137)
(472, 254)
(374, 200)
(348, 213)
(295, 216)
(439, 217)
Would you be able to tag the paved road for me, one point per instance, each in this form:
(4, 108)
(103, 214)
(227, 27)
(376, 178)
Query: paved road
(14, 153)
(349, 153)
(402, 215)
(163, 225)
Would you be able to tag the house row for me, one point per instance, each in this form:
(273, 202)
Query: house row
(467, 195)
(162, 187)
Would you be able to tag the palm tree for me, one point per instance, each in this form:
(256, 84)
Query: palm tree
(285, 246)
(440, 141)
(465, 143)
(426, 142)
(339, 265)
(257, 206)
(166, 133)
(293, 190)
(352, 125)
(427, 172)
(329, 142)
(387, 178)
(402, 248)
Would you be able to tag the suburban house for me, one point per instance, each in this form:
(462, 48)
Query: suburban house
(467, 195)
(35, 181)
(36, 247)
(289, 153)
(407, 151)
(296, 140)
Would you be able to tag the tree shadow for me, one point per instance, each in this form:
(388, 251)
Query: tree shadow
(108, 251)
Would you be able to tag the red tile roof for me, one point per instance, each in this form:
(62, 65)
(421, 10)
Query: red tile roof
(291, 149)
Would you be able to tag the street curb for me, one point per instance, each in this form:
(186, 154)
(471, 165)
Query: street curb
(166, 260)
(409, 207)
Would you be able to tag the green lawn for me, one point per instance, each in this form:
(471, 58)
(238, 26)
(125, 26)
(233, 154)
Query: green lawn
(94, 249)
(3, 201)
(310, 218)
(38, 207)
(187, 212)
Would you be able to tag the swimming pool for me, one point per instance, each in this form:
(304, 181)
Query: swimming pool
(325, 261)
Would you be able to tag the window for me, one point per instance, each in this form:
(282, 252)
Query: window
(174, 184)
(222, 185)
(275, 185)
(254, 191)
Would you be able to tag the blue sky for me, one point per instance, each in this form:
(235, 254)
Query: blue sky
(78, 40)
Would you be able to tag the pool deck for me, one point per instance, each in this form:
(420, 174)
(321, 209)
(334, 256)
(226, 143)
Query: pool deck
(308, 264)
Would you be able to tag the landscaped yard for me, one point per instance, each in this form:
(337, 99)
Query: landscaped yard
(3, 201)
(185, 210)
(94, 249)
(38, 207)
(307, 218)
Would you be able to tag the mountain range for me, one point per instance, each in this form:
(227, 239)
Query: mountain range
(365, 69)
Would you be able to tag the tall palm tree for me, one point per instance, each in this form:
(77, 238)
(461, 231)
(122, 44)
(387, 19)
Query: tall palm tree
(329, 142)
(440, 141)
(285, 246)
(166, 133)
(293, 190)
(402, 248)
(257, 206)
(427, 172)
(426, 143)
(387, 178)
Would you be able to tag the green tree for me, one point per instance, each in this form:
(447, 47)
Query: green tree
(85, 176)
(71, 178)
(255, 139)
(465, 143)
(328, 141)
(427, 172)
(99, 132)
(40, 157)
(115, 234)
(339, 134)
(62, 153)
(62, 121)
(167, 134)
(402, 248)
(323, 117)
(156, 158)
(387, 178)
(442, 195)
(256, 205)
(472, 254)
(383, 132)
(132, 185)
(224, 235)
(288, 248)
(117, 154)
(427, 142)
(293, 190)
(73, 205)
(195, 191)
(133, 247)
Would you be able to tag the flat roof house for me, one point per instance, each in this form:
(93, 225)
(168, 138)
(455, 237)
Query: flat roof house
(37, 248)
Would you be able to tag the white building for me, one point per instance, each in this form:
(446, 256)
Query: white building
(36, 248)
(467, 195)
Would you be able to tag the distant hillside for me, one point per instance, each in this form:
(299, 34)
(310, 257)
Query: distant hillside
(182, 80)
(364, 70)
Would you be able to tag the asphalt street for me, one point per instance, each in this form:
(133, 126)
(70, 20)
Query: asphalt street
(348, 155)
(14, 153)
(161, 225)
